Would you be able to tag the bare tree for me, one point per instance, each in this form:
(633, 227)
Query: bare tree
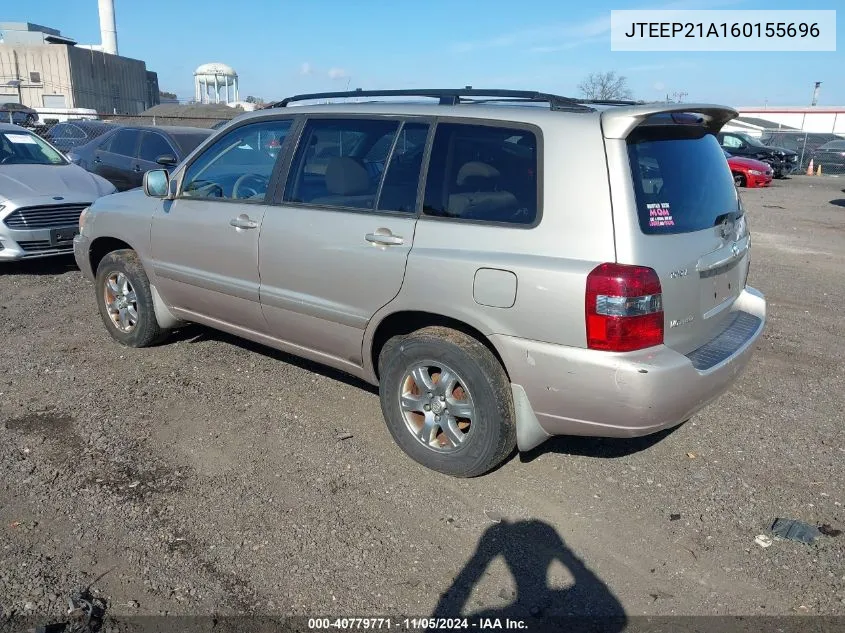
(605, 86)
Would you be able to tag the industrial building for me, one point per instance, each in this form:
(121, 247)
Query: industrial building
(42, 68)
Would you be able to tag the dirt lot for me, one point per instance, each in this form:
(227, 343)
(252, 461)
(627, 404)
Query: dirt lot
(208, 474)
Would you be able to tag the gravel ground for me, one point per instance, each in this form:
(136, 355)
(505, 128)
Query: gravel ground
(211, 475)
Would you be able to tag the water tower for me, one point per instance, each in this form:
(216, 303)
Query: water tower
(210, 79)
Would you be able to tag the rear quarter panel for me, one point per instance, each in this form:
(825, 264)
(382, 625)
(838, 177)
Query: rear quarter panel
(550, 260)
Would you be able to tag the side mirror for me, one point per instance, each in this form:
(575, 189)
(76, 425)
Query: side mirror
(167, 160)
(157, 183)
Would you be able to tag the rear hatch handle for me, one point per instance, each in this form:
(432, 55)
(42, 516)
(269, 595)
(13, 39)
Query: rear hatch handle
(724, 256)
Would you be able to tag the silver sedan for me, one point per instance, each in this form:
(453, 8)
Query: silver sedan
(41, 196)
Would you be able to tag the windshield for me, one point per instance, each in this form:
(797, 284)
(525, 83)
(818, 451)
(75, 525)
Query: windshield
(682, 181)
(24, 148)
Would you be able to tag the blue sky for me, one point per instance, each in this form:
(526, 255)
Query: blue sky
(282, 47)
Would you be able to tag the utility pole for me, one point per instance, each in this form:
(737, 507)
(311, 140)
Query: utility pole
(816, 91)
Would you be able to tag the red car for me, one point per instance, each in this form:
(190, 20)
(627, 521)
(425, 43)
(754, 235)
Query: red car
(749, 172)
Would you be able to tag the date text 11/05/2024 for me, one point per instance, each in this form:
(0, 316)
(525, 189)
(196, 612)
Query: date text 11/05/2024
(416, 624)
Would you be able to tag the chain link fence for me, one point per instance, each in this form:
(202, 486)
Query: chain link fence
(824, 149)
(67, 128)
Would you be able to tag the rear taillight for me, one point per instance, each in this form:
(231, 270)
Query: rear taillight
(624, 308)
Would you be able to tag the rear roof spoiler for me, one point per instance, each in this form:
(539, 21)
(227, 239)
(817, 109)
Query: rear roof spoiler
(619, 122)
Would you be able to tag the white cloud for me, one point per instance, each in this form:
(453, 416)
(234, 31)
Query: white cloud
(306, 69)
(337, 73)
(659, 86)
(560, 37)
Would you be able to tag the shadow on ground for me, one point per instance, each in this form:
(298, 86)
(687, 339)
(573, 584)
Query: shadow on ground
(194, 333)
(839, 202)
(529, 548)
(603, 447)
(57, 265)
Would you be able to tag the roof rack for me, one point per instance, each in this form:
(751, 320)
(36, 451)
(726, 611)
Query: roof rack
(619, 102)
(451, 96)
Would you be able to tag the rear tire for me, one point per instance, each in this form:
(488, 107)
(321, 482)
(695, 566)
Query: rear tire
(125, 300)
(447, 401)
(739, 179)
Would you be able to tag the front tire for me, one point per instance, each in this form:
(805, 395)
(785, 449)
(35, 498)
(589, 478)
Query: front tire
(740, 180)
(447, 401)
(125, 300)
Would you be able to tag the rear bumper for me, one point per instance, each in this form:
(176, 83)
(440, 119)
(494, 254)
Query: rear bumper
(575, 391)
(758, 181)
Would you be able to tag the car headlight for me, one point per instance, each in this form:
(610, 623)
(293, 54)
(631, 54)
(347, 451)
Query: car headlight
(755, 172)
(83, 218)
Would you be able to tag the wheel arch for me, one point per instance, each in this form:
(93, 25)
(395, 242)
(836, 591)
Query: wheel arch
(384, 326)
(102, 246)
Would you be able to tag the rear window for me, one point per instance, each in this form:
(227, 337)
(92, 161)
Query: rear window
(190, 141)
(682, 181)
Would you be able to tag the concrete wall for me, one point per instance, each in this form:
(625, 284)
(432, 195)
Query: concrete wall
(108, 83)
(51, 61)
(86, 78)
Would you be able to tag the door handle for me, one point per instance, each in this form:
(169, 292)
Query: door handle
(97, 159)
(385, 239)
(243, 222)
(137, 169)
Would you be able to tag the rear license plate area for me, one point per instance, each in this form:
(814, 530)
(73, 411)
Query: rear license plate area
(63, 236)
(716, 289)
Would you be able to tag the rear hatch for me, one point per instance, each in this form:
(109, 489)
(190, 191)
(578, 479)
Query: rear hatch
(676, 210)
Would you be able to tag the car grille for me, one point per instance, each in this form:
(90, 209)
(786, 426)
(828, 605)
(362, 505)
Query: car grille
(36, 246)
(44, 217)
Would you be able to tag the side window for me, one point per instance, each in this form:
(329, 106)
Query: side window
(731, 141)
(237, 166)
(399, 191)
(66, 130)
(340, 162)
(125, 143)
(154, 145)
(484, 173)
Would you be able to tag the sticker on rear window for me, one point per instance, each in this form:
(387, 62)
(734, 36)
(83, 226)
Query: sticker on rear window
(659, 214)
(24, 139)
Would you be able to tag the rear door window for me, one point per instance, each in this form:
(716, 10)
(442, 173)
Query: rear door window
(340, 162)
(682, 181)
(399, 190)
(154, 145)
(124, 143)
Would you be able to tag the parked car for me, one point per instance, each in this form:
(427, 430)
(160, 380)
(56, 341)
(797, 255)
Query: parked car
(831, 157)
(66, 136)
(41, 196)
(124, 154)
(748, 172)
(783, 161)
(17, 114)
(499, 286)
(802, 143)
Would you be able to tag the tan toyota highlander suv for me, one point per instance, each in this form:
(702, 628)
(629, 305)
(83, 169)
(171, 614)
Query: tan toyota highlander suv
(504, 265)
